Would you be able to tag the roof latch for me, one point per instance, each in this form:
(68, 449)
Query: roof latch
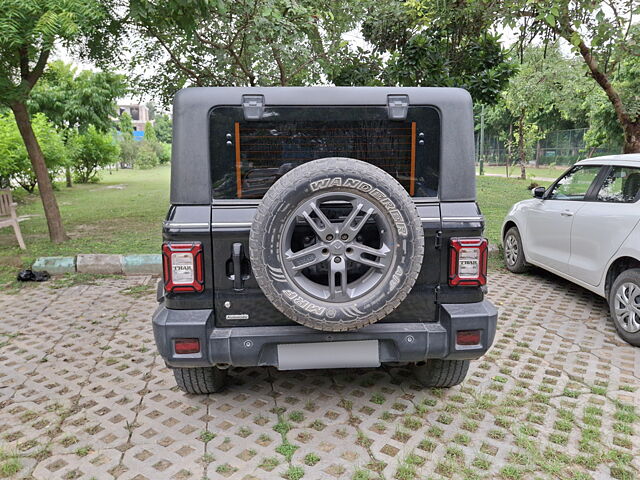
(253, 106)
(398, 105)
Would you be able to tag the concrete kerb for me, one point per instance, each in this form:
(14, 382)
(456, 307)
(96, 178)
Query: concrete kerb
(104, 264)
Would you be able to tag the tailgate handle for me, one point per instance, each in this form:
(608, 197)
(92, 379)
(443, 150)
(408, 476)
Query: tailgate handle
(238, 266)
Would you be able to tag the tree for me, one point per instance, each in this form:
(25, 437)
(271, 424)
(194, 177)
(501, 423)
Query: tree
(164, 128)
(92, 150)
(544, 86)
(14, 160)
(30, 30)
(240, 42)
(425, 43)
(603, 34)
(74, 101)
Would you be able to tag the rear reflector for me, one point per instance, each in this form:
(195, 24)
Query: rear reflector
(187, 345)
(467, 262)
(182, 267)
(468, 337)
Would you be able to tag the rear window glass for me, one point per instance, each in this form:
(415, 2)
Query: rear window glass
(247, 157)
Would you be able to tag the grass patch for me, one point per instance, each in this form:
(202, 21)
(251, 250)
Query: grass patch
(311, 459)
(121, 214)
(294, 472)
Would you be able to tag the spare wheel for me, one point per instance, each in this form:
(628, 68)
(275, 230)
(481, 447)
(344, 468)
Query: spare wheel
(336, 244)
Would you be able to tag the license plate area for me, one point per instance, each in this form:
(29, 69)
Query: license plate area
(350, 354)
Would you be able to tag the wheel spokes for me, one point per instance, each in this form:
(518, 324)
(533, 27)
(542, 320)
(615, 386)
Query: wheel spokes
(326, 228)
(356, 251)
(306, 257)
(337, 278)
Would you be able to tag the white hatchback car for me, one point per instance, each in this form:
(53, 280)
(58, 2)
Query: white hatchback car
(586, 228)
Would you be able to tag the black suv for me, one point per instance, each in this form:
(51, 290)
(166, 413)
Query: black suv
(323, 228)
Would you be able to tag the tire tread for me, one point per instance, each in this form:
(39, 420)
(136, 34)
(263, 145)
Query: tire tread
(199, 380)
(438, 373)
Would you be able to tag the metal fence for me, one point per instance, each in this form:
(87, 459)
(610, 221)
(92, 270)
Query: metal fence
(562, 147)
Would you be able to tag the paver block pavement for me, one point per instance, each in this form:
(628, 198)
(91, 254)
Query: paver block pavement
(83, 394)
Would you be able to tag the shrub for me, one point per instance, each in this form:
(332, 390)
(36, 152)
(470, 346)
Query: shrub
(91, 151)
(147, 156)
(15, 165)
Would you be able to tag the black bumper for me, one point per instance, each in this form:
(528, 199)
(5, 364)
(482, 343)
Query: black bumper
(258, 346)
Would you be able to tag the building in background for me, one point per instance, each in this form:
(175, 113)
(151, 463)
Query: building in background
(139, 116)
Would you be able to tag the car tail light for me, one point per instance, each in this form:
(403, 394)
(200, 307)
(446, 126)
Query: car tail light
(468, 337)
(182, 266)
(186, 345)
(467, 262)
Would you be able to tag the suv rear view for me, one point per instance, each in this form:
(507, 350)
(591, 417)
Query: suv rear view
(322, 228)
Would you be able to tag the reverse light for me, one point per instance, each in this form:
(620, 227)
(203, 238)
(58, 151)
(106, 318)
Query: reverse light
(182, 266)
(467, 262)
(186, 345)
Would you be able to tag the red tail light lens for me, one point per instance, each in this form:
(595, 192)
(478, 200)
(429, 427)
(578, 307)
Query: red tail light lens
(468, 337)
(182, 266)
(467, 262)
(186, 345)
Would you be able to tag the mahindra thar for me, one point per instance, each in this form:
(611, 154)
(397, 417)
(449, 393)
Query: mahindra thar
(322, 227)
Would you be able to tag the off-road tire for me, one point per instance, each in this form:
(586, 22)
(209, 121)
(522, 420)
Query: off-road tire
(520, 265)
(436, 373)
(200, 380)
(628, 276)
(298, 186)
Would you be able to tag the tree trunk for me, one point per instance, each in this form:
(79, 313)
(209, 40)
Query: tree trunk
(509, 148)
(521, 149)
(67, 174)
(632, 137)
(51, 211)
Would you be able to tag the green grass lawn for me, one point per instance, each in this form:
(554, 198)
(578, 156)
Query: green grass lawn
(121, 214)
(124, 212)
(496, 195)
(514, 171)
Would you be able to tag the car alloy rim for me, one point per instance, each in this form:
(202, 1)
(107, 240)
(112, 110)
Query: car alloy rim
(627, 307)
(336, 245)
(511, 250)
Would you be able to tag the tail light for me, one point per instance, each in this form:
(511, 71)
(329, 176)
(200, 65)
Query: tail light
(467, 262)
(184, 346)
(182, 265)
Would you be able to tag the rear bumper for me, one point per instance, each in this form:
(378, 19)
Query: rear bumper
(258, 346)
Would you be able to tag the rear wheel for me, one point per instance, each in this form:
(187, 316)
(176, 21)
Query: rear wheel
(624, 305)
(200, 380)
(513, 251)
(436, 373)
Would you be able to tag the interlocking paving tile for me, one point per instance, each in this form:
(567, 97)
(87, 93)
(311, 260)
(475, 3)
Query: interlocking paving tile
(83, 394)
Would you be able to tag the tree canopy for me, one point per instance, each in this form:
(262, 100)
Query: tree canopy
(30, 31)
(77, 100)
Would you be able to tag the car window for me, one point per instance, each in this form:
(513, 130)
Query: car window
(622, 185)
(575, 184)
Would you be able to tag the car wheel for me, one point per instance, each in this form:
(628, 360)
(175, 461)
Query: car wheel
(336, 244)
(200, 380)
(436, 373)
(624, 304)
(513, 251)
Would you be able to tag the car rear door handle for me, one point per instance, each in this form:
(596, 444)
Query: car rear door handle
(566, 213)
